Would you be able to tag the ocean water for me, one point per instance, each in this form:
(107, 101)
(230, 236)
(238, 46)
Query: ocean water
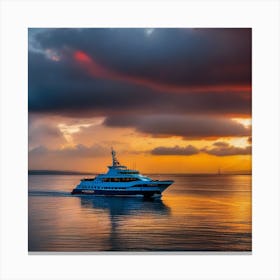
(196, 213)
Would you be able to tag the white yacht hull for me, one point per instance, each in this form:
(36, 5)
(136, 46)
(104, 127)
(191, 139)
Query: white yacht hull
(151, 189)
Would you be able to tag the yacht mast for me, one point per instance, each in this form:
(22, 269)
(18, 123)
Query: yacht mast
(115, 162)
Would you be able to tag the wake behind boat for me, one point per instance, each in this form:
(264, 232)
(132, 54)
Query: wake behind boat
(121, 181)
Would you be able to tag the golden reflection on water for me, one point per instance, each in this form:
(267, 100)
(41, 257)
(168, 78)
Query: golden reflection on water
(196, 214)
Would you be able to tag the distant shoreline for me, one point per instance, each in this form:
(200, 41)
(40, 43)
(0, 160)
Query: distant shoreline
(57, 172)
(66, 172)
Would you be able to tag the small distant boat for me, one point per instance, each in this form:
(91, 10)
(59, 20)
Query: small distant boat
(121, 181)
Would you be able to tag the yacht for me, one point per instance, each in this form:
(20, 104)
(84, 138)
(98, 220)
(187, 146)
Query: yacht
(121, 181)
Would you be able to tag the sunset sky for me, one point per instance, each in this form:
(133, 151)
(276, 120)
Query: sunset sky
(168, 100)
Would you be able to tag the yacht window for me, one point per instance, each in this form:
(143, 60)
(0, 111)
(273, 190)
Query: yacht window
(120, 179)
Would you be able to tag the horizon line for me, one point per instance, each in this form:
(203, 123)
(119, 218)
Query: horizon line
(73, 172)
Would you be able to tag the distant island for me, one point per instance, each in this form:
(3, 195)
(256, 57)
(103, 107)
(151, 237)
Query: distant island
(57, 172)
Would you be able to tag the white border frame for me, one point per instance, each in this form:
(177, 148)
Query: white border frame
(17, 16)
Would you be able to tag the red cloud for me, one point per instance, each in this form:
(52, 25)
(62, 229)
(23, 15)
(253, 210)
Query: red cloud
(82, 57)
(98, 71)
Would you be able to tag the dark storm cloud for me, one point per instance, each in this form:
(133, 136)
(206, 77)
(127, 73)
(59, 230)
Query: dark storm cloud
(95, 97)
(178, 151)
(186, 126)
(178, 57)
(172, 56)
(61, 89)
(224, 149)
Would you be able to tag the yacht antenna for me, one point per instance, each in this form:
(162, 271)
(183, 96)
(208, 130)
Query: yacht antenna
(115, 162)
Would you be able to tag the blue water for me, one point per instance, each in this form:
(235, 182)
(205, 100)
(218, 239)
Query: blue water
(197, 213)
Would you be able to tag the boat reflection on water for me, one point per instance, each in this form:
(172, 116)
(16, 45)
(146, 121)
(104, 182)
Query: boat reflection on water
(125, 205)
(123, 208)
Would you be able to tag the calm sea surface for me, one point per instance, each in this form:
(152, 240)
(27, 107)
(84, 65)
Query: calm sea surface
(197, 213)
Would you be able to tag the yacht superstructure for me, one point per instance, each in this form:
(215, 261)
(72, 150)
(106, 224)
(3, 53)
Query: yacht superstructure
(119, 180)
